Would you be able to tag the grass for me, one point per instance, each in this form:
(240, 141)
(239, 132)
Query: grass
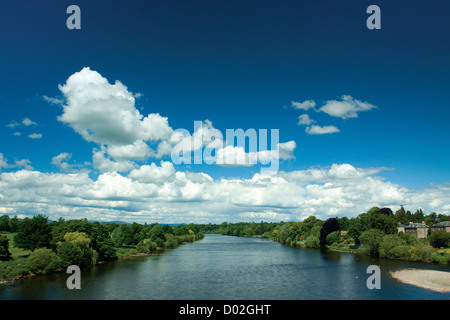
(14, 250)
(125, 251)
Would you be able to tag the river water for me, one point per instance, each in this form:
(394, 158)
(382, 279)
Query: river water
(230, 268)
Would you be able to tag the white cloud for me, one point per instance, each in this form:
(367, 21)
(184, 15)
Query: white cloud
(104, 164)
(304, 119)
(347, 107)
(305, 105)
(13, 124)
(27, 122)
(53, 100)
(35, 136)
(23, 163)
(61, 161)
(154, 174)
(157, 193)
(139, 150)
(317, 130)
(105, 113)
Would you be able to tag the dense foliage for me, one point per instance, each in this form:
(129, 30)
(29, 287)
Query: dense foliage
(374, 232)
(47, 246)
(54, 245)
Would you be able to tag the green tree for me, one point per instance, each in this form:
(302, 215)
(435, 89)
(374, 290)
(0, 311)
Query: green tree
(439, 238)
(388, 243)
(312, 241)
(156, 233)
(14, 224)
(76, 249)
(33, 233)
(43, 261)
(4, 223)
(386, 223)
(371, 240)
(4, 248)
(118, 237)
(333, 237)
(355, 229)
(418, 216)
(400, 215)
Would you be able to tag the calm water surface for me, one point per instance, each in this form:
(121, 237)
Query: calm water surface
(225, 268)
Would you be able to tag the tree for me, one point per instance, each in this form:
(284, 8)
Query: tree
(439, 238)
(418, 216)
(400, 215)
(371, 240)
(4, 247)
(328, 227)
(385, 211)
(156, 233)
(43, 261)
(33, 233)
(76, 249)
(388, 243)
(333, 237)
(4, 223)
(384, 222)
(312, 242)
(118, 237)
(14, 224)
(354, 229)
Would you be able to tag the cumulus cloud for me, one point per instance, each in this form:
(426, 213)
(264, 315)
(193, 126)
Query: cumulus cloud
(103, 163)
(154, 174)
(159, 193)
(105, 113)
(22, 163)
(347, 107)
(139, 150)
(304, 119)
(317, 130)
(305, 105)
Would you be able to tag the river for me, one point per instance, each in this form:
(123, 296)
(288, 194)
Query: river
(230, 268)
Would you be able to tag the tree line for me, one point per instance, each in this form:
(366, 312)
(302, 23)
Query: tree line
(374, 232)
(58, 244)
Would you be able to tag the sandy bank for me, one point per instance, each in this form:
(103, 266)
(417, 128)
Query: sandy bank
(429, 279)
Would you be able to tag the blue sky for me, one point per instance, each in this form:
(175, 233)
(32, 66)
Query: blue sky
(238, 64)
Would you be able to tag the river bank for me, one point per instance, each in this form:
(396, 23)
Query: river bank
(438, 281)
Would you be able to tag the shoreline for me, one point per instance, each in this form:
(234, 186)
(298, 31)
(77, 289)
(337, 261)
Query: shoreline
(434, 280)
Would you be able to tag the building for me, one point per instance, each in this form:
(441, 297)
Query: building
(444, 226)
(420, 230)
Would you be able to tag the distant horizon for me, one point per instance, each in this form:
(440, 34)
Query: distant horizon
(344, 117)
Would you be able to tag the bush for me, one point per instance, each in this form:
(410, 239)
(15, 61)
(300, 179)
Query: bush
(76, 249)
(371, 240)
(400, 252)
(43, 261)
(333, 237)
(4, 248)
(388, 243)
(146, 245)
(171, 241)
(12, 268)
(312, 242)
(420, 252)
(440, 258)
(439, 238)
